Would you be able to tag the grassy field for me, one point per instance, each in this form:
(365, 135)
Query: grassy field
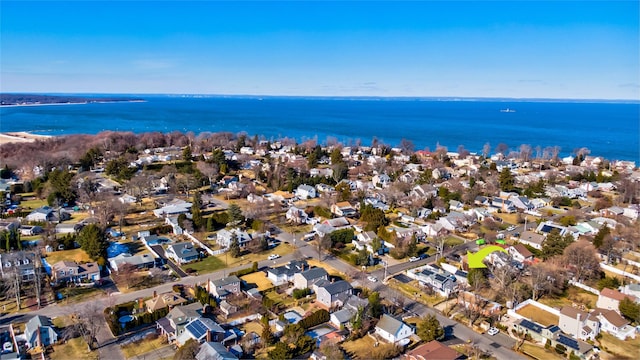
(411, 289)
(142, 347)
(539, 353)
(33, 203)
(538, 315)
(612, 348)
(73, 349)
(260, 279)
(77, 255)
(574, 295)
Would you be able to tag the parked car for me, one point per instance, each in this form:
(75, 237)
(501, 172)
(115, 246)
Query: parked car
(372, 278)
(414, 258)
(511, 228)
(273, 256)
(492, 331)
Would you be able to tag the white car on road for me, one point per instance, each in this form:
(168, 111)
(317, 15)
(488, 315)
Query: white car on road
(273, 256)
(414, 258)
(492, 331)
(372, 278)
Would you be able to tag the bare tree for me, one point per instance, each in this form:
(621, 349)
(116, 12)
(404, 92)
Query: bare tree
(581, 257)
(525, 152)
(322, 243)
(89, 319)
(486, 150)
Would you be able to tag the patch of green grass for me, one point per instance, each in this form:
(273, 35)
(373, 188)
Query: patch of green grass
(452, 241)
(207, 265)
(33, 203)
(79, 294)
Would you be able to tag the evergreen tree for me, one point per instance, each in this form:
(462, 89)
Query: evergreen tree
(235, 214)
(196, 214)
(429, 329)
(93, 242)
(555, 244)
(506, 180)
(598, 240)
(234, 247)
(375, 307)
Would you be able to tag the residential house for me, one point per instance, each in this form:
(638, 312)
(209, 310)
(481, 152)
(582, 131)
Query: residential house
(201, 330)
(165, 300)
(70, 271)
(343, 208)
(307, 278)
(182, 253)
(392, 329)
(306, 192)
(296, 216)
(579, 324)
(612, 323)
(433, 350)
(546, 227)
(173, 324)
(9, 225)
(522, 203)
(221, 288)
(224, 237)
(478, 303)
(214, 351)
(532, 239)
(47, 213)
(139, 262)
(174, 207)
(350, 309)
(22, 262)
(27, 230)
(381, 180)
(439, 281)
(40, 332)
(433, 229)
(536, 331)
(332, 294)
(520, 253)
(610, 299)
(284, 274)
(68, 228)
(423, 191)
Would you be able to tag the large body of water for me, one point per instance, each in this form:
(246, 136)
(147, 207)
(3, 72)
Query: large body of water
(608, 129)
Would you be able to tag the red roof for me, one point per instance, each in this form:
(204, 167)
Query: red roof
(612, 294)
(433, 350)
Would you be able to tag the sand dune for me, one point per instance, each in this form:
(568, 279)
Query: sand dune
(20, 137)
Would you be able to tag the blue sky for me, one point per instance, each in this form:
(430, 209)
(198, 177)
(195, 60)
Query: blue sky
(522, 49)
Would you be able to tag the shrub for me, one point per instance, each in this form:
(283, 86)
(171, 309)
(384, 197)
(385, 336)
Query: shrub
(300, 293)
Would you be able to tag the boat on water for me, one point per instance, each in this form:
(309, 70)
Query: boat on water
(507, 110)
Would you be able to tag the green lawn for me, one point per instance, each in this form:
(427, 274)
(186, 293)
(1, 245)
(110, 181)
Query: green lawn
(452, 241)
(207, 265)
(33, 203)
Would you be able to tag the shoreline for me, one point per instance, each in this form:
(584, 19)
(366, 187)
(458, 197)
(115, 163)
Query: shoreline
(21, 137)
(70, 103)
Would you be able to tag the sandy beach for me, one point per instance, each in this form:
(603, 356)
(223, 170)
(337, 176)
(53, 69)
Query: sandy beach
(20, 137)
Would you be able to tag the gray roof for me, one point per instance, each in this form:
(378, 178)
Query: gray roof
(337, 287)
(344, 315)
(35, 322)
(184, 250)
(314, 273)
(214, 351)
(389, 324)
(226, 281)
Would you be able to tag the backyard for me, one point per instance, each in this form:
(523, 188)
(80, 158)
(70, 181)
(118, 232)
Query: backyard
(258, 278)
(538, 352)
(142, 346)
(365, 348)
(73, 349)
(539, 315)
(77, 255)
(613, 348)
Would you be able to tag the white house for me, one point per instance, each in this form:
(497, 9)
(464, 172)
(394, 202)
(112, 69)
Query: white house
(297, 216)
(392, 329)
(579, 324)
(306, 192)
(612, 323)
(609, 299)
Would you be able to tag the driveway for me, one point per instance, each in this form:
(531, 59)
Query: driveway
(160, 251)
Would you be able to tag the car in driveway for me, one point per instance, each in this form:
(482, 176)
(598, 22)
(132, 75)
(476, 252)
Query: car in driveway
(511, 228)
(273, 256)
(493, 331)
(372, 278)
(414, 258)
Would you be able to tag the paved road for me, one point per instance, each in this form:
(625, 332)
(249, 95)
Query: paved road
(499, 346)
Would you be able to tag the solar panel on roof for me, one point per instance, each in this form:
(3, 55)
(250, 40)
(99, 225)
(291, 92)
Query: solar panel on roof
(569, 342)
(531, 326)
(197, 328)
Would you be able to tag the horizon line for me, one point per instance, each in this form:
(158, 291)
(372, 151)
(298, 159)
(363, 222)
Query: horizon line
(400, 97)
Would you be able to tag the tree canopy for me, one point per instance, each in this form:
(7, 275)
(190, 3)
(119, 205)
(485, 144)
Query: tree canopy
(429, 328)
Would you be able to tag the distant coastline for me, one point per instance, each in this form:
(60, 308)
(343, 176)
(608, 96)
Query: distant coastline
(15, 100)
(21, 137)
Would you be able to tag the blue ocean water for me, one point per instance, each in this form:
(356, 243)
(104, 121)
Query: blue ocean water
(608, 129)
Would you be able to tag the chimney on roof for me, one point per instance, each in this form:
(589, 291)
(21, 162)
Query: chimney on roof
(208, 335)
(155, 294)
